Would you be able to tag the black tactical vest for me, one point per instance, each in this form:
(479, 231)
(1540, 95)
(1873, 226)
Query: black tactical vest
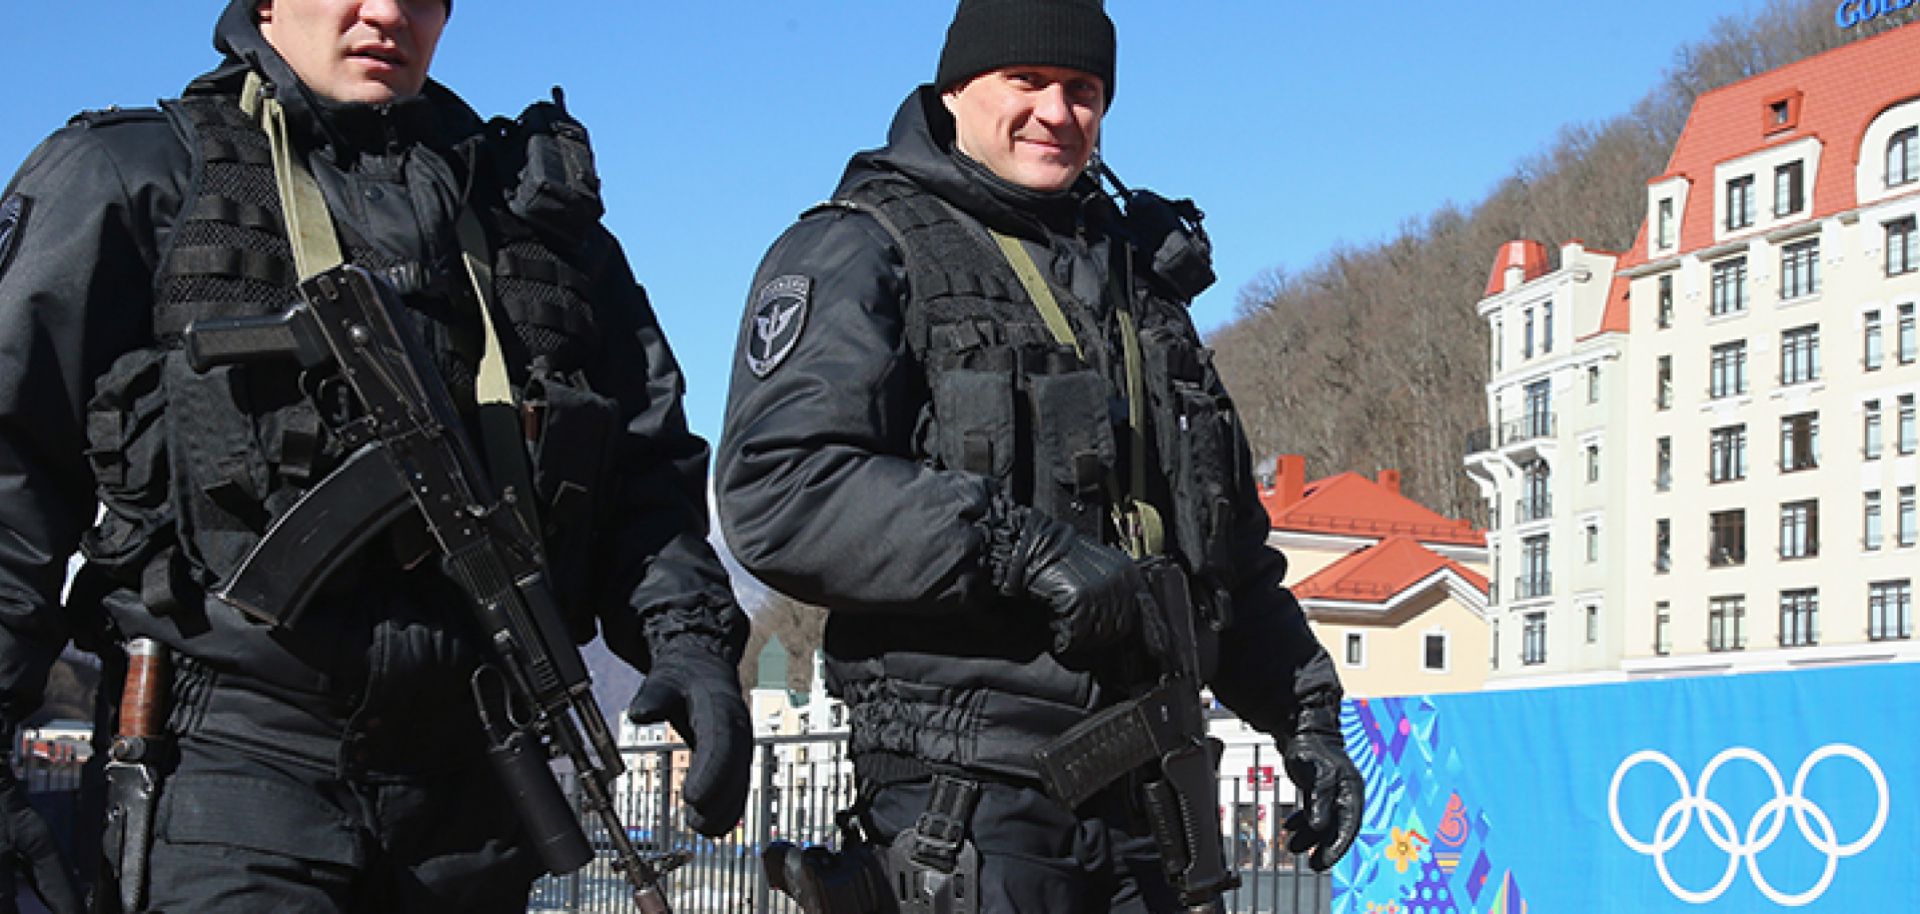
(1010, 402)
(193, 468)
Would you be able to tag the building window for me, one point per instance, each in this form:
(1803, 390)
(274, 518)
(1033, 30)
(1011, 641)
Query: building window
(1907, 431)
(1872, 347)
(1536, 497)
(1662, 545)
(1901, 249)
(1800, 269)
(1727, 538)
(1539, 420)
(1593, 544)
(1903, 157)
(1533, 645)
(1799, 618)
(1799, 442)
(1663, 464)
(1593, 624)
(1907, 342)
(1890, 610)
(1870, 443)
(1526, 339)
(1435, 658)
(1788, 188)
(1546, 327)
(1870, 530)
(1740, 202)
(1665, 223)
(1727, 454)
(1905, 530)
(1729, 286)
(1356, 649)
(1593, 463)
(1800, 529)
(1663, 389)
(1662, 628)
(1727, 375)
(1593, 383)
(1800, 355)
(1727, 623)
(1666, 300)
(1535, 580)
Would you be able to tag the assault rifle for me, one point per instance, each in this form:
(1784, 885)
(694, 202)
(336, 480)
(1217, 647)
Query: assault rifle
(410, 453)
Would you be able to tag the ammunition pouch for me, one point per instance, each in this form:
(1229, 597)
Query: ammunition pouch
(1195, 432)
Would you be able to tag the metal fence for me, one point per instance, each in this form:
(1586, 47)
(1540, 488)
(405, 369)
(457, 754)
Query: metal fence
(798, 784)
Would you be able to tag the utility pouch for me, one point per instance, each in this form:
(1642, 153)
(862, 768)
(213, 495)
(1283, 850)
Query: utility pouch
(1181, 808)
(558, 188)
(1169, 232)
(974, 407)
(127, 450)
(570, 430)
(1073, 446)
(1195, 433)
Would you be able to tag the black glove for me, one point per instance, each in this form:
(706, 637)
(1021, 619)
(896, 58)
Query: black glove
(698, 691)
(1332, 795)
(1095, 591)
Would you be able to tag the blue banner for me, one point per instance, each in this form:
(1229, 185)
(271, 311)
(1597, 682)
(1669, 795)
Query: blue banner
(1758, 792)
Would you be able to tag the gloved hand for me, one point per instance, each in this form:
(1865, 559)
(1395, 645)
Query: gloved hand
(1095, 591)
(1332, 794)
(698, 691)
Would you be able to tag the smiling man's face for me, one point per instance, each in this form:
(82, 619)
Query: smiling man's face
(370, 51)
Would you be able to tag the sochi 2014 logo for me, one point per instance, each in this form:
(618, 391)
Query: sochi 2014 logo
(1767, 825)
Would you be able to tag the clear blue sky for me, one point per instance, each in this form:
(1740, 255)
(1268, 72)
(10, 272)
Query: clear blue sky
(1297, 126)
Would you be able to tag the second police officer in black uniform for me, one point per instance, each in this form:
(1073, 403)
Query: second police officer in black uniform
(338, 764)
(969, 412)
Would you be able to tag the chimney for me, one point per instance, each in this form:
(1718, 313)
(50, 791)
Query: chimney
(1289, 480)
(1390, 480)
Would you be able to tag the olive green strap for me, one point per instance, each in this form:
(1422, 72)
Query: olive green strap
(309, 226)
(316, 249)
(500, 424)
(1139, 523)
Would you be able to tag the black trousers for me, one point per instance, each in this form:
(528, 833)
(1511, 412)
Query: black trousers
(1039, 856)
(271, 807)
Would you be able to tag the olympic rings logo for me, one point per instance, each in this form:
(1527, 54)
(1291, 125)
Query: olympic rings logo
(1762, 829)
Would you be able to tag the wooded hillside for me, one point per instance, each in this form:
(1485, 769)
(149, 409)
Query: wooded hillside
(1374, 358)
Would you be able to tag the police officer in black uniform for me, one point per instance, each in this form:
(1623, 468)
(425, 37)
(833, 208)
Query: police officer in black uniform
(338, 764)
(970, 408)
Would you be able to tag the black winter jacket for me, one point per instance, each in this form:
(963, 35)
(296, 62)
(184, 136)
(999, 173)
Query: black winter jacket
(830, 491)
(101, 202)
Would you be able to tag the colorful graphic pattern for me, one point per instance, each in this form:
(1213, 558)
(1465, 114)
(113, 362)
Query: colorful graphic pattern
(1422, 848)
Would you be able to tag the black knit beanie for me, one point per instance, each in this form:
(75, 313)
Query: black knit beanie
(990, 34)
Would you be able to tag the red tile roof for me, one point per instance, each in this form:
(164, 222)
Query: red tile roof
(1839, 93)
(1353, 505)
(1529, 256)
(1382, 571)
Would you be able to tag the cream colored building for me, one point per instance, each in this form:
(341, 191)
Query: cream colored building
(1549, 465)
(1396, 592)
(1757, 455)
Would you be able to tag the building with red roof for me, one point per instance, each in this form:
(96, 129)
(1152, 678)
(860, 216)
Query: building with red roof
(1745, 448)
(1395, 590)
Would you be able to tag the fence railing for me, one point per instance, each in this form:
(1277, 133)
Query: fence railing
(798, 783)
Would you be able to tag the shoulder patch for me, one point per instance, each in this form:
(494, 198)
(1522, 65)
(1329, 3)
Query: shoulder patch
(13, 220)
(779, 313)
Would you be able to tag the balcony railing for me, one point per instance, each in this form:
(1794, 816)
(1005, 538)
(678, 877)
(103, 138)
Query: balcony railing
(1536, 508)
(1527, 428)
(1534, 585)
